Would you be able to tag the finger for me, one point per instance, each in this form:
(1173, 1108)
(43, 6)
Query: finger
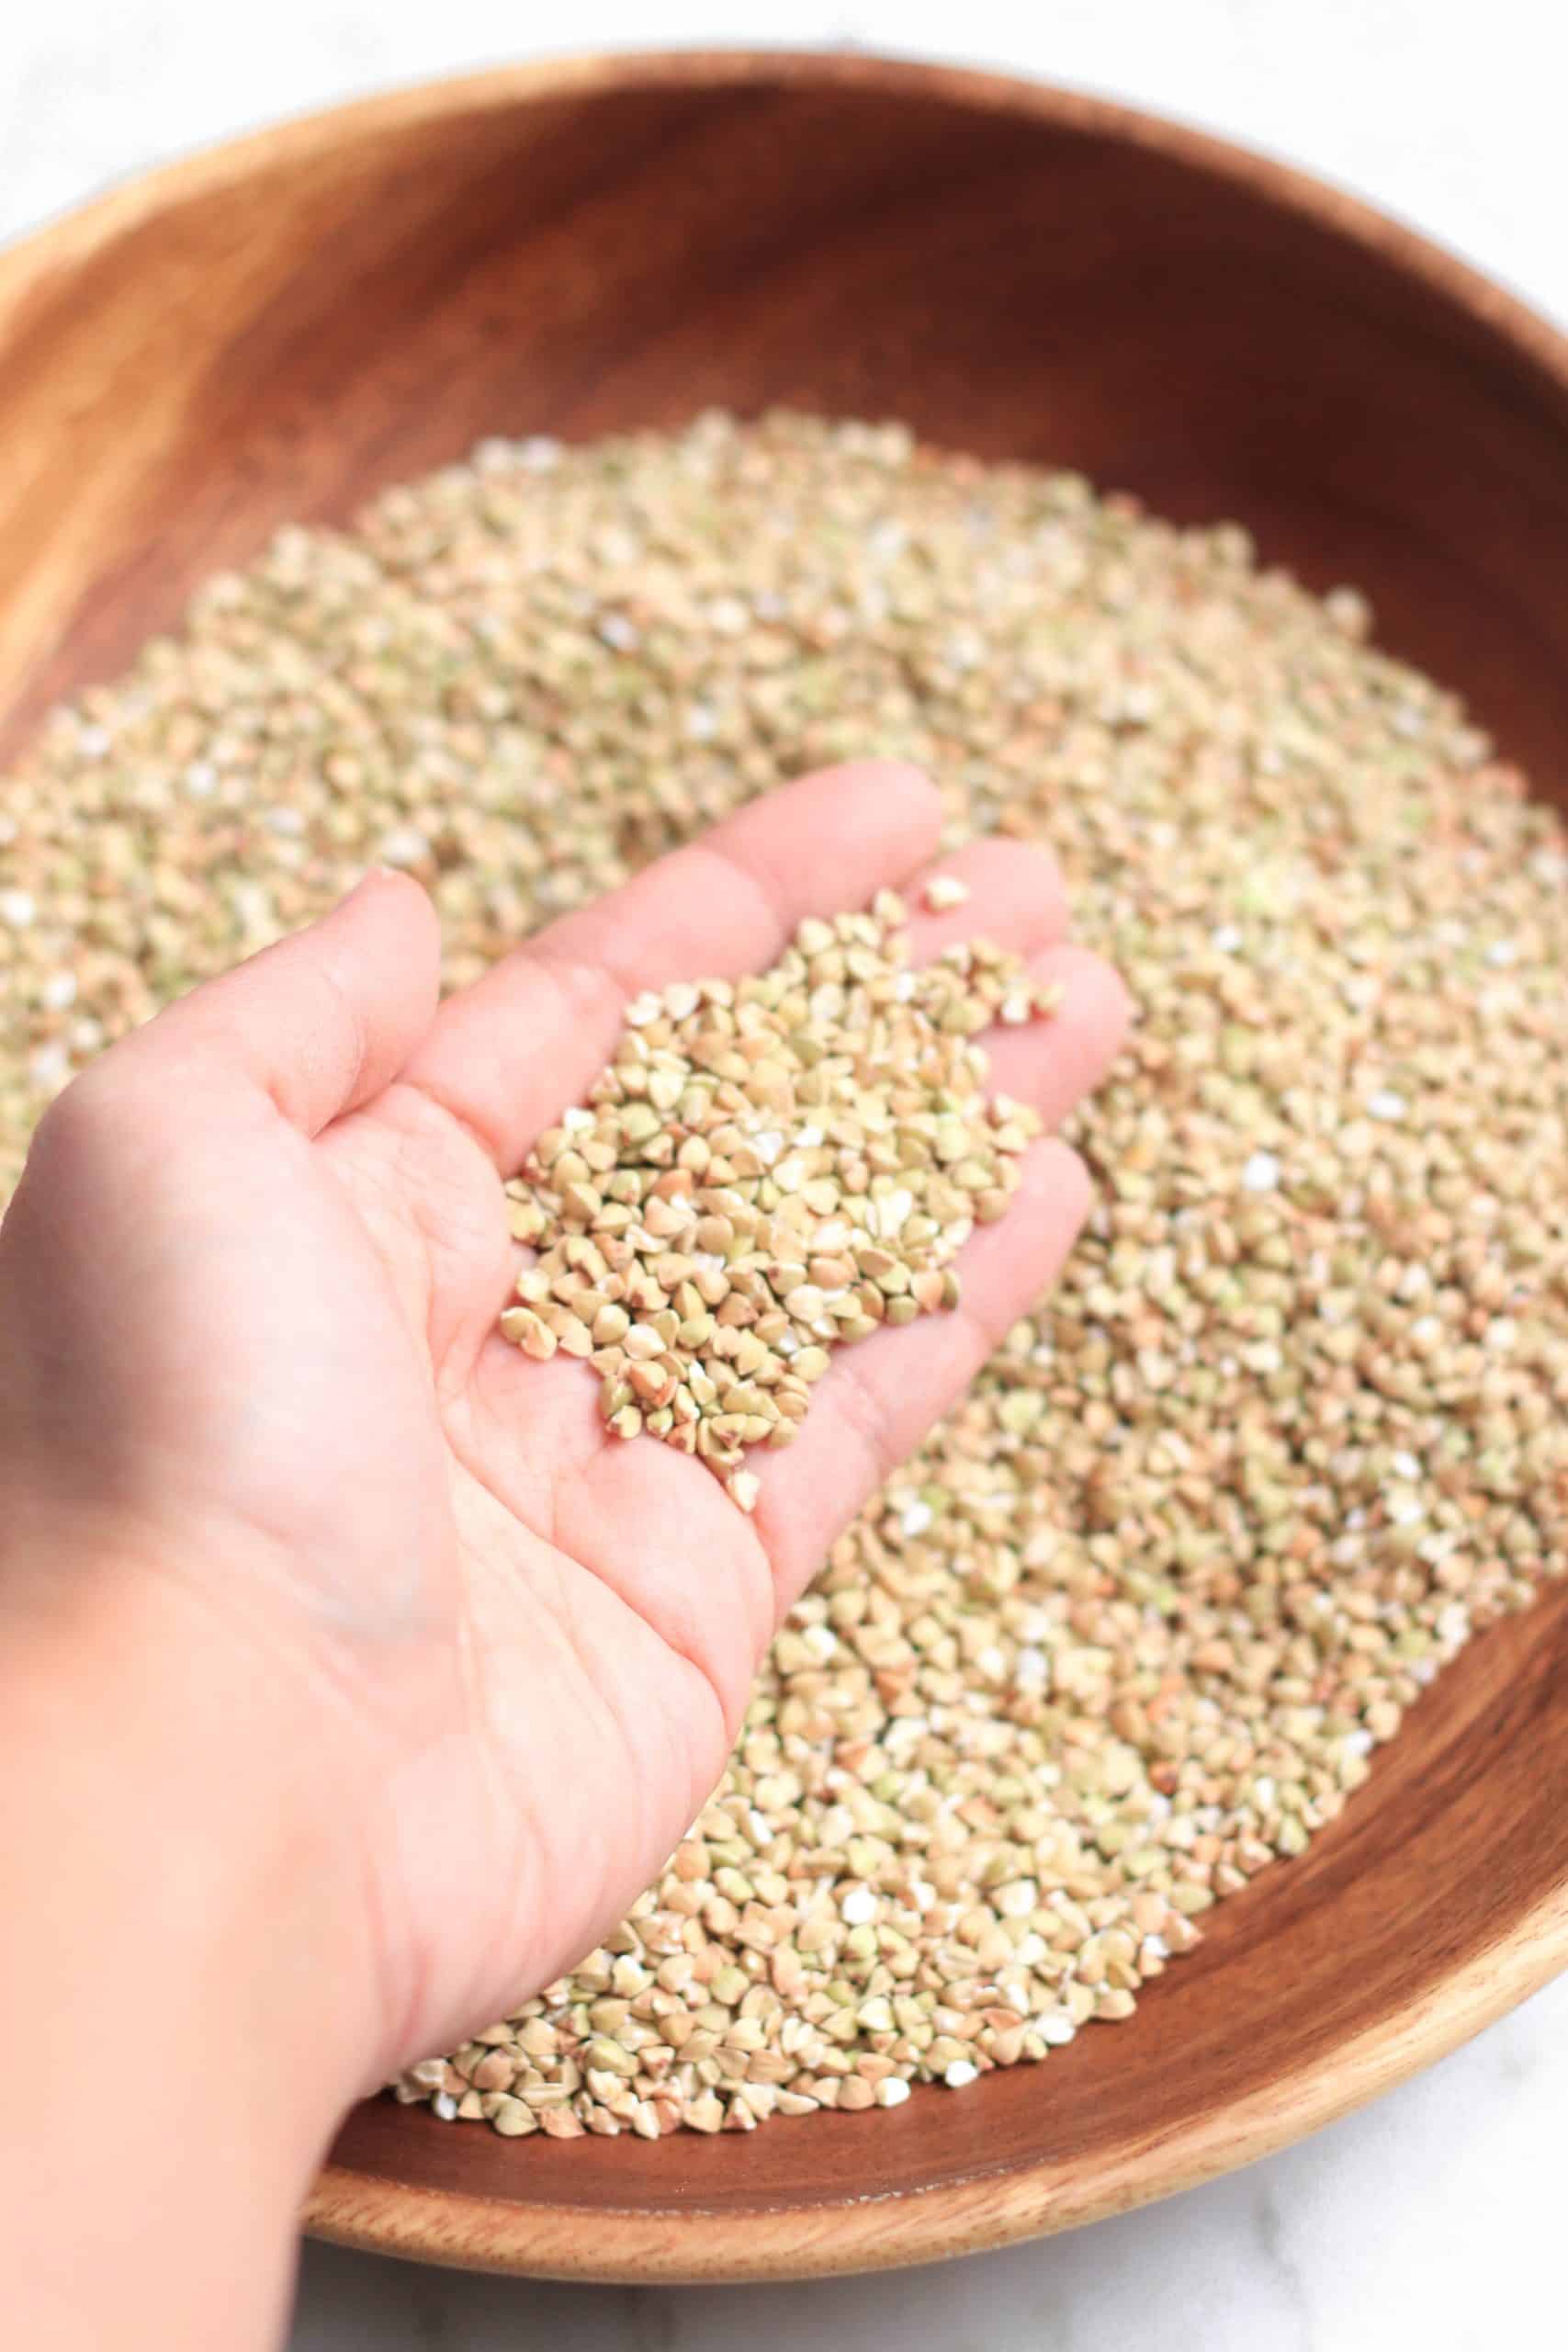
(1052, 1064)
(880, 1397)
(505, 1055)
(319, 1024)
(1013, 896)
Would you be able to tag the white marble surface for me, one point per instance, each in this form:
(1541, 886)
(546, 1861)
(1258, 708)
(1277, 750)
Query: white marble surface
(1432, 2219)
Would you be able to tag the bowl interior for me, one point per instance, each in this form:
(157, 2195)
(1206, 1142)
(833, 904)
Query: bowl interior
(278, 330)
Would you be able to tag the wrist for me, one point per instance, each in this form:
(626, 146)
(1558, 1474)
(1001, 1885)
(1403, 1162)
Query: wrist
(156, 1746)
(188, 1954)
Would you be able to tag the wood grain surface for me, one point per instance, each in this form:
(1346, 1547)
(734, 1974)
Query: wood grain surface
(277, 329)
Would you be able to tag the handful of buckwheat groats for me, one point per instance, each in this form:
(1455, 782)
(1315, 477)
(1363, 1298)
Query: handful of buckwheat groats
(769, 1166)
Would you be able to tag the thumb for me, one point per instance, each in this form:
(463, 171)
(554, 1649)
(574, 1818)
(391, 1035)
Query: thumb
(320, 1022)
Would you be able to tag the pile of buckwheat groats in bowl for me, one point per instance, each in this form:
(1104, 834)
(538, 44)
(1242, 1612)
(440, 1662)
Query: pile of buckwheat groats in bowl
(1293, 1425)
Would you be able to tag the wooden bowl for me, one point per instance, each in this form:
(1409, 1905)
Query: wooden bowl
(277, 329)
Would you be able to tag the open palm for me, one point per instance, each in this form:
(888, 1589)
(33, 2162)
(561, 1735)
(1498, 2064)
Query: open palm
(249, 1290)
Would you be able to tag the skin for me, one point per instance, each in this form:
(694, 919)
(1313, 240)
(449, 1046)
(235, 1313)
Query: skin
(352, 1681)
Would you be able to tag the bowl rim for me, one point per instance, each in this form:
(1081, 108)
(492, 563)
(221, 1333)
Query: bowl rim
(78, 230)
(979, 2212)
(988, 2207)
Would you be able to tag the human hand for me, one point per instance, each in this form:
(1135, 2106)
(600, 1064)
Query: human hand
(252, 1395)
